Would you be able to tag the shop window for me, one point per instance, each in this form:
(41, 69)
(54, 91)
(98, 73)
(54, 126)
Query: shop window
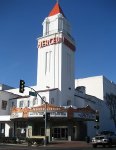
(42, 131)
(2, 128)
(4, 104)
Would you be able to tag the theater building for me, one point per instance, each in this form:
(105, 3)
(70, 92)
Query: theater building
(55, 81)
(71, 111)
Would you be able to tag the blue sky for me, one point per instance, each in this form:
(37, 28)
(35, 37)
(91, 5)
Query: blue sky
(93, 25)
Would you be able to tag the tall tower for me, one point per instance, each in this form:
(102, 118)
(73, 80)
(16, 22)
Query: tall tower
(56, 54)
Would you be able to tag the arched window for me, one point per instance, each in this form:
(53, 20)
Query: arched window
(47, 27)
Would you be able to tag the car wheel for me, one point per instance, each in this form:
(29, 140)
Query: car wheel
(110, 142)
(104, 145)
(110, 145)
(94, 145)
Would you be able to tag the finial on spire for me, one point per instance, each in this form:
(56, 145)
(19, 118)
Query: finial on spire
(58, 1)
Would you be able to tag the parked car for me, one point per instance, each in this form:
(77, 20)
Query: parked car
(106, 132)
(104, 140)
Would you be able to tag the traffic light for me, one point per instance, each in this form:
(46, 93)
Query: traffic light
(97, 118)
(48, 116)
(22, 86)
(44, 116)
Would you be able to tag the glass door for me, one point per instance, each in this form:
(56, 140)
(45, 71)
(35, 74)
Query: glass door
(60, 133)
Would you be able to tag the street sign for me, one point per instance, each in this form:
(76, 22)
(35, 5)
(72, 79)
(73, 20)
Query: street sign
(32, 93)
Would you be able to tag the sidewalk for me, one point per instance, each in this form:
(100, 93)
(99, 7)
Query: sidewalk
(57, 144)
(69, 144)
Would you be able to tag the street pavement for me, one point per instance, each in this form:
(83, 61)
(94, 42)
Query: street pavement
(55, 145)
(69, 144)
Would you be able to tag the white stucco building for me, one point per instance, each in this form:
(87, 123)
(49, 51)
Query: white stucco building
(97, 86)
(72, 103)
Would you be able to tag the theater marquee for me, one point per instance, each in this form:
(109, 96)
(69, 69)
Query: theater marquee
(52, 114)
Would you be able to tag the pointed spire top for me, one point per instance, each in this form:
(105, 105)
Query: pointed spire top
(56, 9)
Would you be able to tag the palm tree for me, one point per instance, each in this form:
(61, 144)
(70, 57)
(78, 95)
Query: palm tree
(111, 103)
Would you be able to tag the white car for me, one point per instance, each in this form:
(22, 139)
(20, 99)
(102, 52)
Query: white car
(104, 140)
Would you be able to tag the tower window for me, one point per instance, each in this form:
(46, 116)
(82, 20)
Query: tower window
(48, 62)
(68, 65)
(47, 28)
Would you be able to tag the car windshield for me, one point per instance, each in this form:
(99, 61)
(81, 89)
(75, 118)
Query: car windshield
(99, 137)
(107, 133)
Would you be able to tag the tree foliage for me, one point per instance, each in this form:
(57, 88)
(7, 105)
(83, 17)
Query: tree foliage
(111, 103)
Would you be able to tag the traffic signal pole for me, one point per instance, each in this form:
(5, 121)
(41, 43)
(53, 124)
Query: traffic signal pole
(45, 140)
(97, 121)
(21, 91)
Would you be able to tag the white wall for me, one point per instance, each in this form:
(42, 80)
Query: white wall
(108, 87)
(5, 96)
(48, 94)
(93, 86)
(97, 86)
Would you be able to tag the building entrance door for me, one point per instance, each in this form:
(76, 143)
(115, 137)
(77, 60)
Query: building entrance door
(60, 133)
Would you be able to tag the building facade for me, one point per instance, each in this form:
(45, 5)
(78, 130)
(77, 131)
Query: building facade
(70, 104)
